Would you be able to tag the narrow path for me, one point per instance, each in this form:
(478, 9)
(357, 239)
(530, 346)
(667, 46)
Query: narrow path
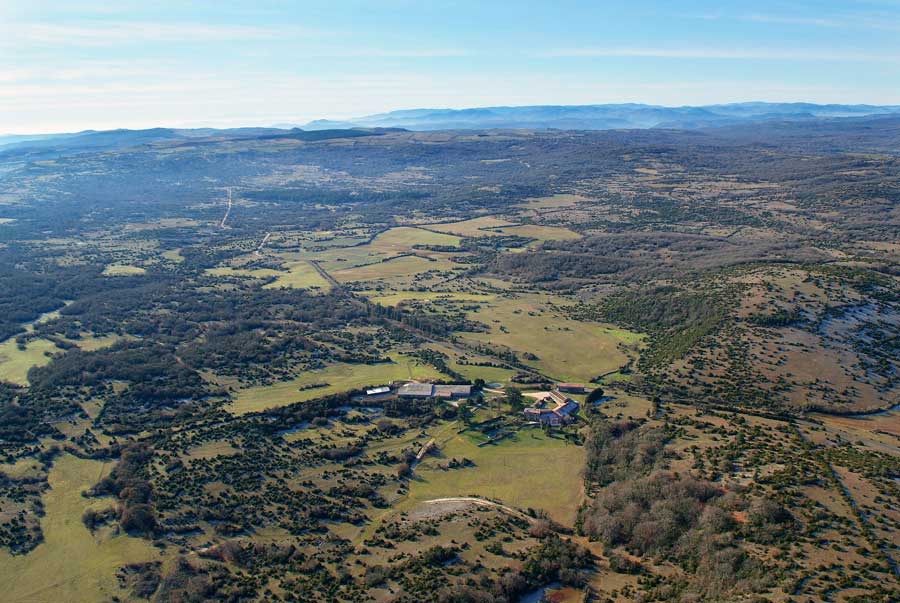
(227, 210)
(859, 514)
(263, 243)
(324, 274)
(482, 502)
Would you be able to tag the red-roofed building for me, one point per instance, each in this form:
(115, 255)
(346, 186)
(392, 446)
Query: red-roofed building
(562, 411)
(571, 388)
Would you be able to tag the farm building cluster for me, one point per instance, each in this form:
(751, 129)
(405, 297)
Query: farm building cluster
(430, 390)
(415, 389)
(552, 408)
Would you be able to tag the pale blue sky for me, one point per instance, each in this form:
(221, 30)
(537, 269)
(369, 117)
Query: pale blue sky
(69, 65)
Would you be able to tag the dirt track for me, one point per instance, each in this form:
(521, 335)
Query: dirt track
(456, 503)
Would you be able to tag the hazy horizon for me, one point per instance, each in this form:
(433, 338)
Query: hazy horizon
(263, 123)
(72, 66)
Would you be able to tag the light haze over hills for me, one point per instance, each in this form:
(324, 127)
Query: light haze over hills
(537, 117)
(75, 65)
(602, 117)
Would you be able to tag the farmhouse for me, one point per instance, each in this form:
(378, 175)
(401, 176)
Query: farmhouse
(553, 408)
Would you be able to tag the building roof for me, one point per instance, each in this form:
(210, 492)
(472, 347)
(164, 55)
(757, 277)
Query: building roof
(557, 397)
(419, 390)
(538, 411)
(564, 406)
(378, 390)
(452, 390)
(566, 409)
(570, 386)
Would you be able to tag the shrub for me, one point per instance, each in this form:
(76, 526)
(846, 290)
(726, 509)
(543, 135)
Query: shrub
(139, 518)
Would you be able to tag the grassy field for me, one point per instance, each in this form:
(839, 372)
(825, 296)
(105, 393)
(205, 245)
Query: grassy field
(340, 377)
(27, 466)
(542, 233)
(553, 201)
(402, 266)
(173, 255)
(162, 224)
(300, 275)
(617, 377)
(14, 363)
(89, 342)
(404, 237)
(476, 227)
(490, 374)
(384, 246)
(260, 273)
(123, 270)
(623, 406)
(529, 469)
(71, 565)
(625, 336)
(210, 450)
(342, 258)
(566, 349)
(393, 299)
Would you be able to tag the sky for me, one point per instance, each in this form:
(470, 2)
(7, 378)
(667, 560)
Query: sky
(71, 65)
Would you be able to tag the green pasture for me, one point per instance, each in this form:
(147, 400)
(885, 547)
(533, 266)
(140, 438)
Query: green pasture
(339, 377)
(528, 469)
(72, 564)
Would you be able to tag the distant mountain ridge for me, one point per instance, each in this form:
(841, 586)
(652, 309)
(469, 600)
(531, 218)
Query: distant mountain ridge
(602, 117)
(742, 120)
